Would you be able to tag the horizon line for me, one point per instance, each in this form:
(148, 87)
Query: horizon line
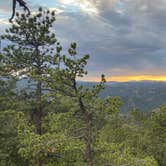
(138, 78)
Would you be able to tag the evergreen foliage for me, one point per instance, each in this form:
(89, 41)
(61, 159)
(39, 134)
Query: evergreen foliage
(54, 121)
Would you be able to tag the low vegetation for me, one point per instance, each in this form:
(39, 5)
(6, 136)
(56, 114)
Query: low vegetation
(54, 121)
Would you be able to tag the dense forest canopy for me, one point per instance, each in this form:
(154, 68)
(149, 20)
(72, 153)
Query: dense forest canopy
(55, 121)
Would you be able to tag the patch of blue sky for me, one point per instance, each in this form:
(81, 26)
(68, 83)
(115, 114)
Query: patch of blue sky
(4, 15)
(120, 6)
(73, 8)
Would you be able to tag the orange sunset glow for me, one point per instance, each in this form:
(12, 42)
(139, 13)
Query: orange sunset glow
(137, 78)
(131, 78)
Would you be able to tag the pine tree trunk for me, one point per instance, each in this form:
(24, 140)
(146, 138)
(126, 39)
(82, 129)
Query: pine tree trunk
(88, 135)
(88, 141)
(39, 111)
(39, 162)
(39, 114)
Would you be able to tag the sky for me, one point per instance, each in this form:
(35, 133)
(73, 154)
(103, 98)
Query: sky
(126, 39)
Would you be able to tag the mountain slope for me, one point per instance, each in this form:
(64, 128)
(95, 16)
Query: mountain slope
(146, 95)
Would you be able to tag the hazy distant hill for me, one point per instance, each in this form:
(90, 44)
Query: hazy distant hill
(146, 95)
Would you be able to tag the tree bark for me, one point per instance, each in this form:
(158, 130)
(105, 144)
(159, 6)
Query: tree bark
(88, 135)
(39, 112)
(39, 162)
(88, 141)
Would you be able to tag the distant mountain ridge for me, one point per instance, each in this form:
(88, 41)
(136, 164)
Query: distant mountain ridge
(143, 95)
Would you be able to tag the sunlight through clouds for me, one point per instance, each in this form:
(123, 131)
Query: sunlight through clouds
(67, 2)
(117, 33)
(84, 5)
(4, 22)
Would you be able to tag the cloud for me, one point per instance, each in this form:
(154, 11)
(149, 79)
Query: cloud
(4, 22)
(82, 5)
(123, 36)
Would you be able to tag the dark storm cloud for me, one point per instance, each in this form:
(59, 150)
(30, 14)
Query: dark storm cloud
(124, 35)
(132, 36)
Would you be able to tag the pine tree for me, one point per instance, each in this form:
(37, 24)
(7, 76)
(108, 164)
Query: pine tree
(8, 133)
(90, 110)
(31, 53)
(54, 120)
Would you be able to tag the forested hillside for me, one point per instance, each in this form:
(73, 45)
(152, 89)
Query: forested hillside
(143, 95)
(54, 120)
